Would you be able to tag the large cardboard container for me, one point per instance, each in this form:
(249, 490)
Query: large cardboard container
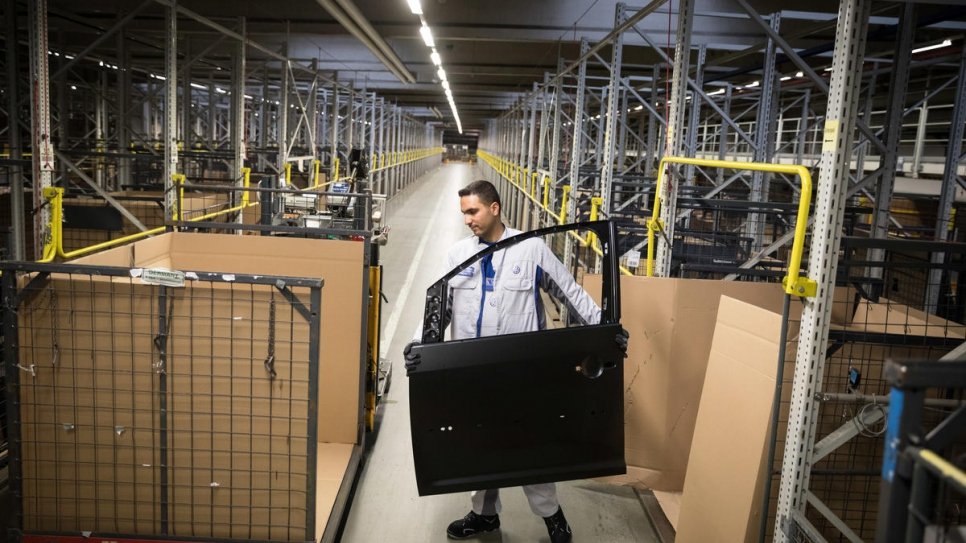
(725, 474)
(671, 323)
(735, 409)
(235, 440)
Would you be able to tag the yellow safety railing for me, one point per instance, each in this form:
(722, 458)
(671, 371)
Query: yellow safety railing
(55, 197)
(385, 161)
(793, 283)
(512, 172)
(246, 181)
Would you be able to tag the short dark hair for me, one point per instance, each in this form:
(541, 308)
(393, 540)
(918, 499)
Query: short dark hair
(482, 189)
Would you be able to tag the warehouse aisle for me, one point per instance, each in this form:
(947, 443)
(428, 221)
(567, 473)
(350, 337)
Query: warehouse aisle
(425, 221)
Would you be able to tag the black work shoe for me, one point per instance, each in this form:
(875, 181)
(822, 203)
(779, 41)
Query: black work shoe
(558, 528)
(473, 525)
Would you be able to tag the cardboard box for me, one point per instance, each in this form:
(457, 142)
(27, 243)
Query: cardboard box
(671, 324)
(722, 488)
(236, 440)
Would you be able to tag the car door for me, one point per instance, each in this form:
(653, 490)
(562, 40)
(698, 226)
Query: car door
(524, 408)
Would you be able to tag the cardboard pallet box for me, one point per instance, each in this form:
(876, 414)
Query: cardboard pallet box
(683, 409)
(671, 324)
(223, 450)
(727, 463)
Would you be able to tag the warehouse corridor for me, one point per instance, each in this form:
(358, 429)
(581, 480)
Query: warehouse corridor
(425, 222)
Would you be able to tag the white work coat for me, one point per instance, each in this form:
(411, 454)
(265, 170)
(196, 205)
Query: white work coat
(514, 304)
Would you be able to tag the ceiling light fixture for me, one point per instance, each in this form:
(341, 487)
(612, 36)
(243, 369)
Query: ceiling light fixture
(945, 43)
(427, 35)
(799, 74)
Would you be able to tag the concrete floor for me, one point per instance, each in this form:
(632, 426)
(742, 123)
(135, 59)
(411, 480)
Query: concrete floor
(425, 222)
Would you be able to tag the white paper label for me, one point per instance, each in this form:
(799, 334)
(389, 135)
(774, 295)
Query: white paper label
(161, 276)
(633, 258)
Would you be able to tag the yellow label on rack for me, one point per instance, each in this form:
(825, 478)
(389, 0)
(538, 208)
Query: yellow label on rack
(830, 134)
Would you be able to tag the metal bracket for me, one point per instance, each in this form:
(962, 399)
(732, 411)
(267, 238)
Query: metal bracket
(299, 306)
(803, 287)
(32, 287)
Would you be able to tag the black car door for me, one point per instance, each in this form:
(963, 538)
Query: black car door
(519, 409)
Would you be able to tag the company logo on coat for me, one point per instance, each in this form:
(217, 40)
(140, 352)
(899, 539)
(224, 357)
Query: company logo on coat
(468, 272)
(516, 270)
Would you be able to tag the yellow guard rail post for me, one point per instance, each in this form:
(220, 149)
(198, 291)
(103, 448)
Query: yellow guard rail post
(55, 195)
(546, 192)
(595, 204)
(55, 199)
(562, 217)
(794, 283)
(247, 177)
(178, 180)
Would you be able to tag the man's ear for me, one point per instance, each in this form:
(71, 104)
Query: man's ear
(495, 208)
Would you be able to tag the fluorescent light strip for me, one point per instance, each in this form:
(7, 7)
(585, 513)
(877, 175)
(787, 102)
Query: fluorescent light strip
(945, 43)
(427, 35)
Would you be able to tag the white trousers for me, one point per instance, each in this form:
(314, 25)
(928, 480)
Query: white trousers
(542, 498)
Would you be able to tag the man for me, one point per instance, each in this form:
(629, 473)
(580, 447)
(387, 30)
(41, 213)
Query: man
(500, 296)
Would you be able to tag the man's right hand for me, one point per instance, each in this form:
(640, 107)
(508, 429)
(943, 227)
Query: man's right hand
(412, 358)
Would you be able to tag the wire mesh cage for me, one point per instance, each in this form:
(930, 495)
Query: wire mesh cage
(868, 328)
(146, 407)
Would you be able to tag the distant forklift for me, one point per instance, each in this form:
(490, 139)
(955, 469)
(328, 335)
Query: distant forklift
(453, 152)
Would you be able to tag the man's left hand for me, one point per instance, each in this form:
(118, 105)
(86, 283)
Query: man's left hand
(621, 340)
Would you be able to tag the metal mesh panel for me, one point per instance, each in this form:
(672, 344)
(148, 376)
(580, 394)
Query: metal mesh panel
(157, 410)
(870, 327)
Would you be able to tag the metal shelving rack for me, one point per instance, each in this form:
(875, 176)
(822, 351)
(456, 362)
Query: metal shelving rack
(588, 139)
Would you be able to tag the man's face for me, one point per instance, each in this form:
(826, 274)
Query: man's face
(479, 217)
